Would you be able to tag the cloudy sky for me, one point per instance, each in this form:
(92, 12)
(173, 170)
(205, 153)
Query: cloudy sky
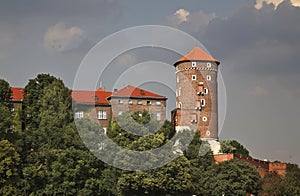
(257, 42)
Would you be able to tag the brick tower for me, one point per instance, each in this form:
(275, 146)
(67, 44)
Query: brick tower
(196, 94)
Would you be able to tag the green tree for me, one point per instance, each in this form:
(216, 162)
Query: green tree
(173, 179)
(233, 146)
(234, 177)
(9, 164)
(291, 181)
(33, 92)
(5, 93)
(6, 115)
(52, 126)
(272, 184)
(6, 122)
(288, 184)
(127, 127)
(201, 164)
(50, 139)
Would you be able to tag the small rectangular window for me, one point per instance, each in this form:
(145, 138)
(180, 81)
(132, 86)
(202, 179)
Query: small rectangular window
(205, 91)
(79, 114)
(140, 102)
(194, 64)
(102, 114)
(149, 102)
(177, 79)
(120, 101)
(179, 92)
(194, 77)
(105, 130)
(202, 102)
(158, 103)
(130, 102)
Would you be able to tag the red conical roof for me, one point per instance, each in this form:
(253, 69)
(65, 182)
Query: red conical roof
(197, 54)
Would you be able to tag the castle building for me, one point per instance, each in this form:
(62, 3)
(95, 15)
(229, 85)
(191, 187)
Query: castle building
(196, 105)
(103, 106)
(197, 94)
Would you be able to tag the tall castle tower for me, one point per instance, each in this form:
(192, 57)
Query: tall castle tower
(197, 94)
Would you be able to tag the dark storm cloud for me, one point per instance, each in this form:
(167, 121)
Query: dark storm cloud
(264, 41)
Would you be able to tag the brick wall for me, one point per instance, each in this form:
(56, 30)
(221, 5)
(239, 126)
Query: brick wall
(154, 106)
(191, 84)
(263, 167)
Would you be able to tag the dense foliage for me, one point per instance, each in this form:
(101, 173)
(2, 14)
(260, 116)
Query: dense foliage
(232, 146)
(47, 156)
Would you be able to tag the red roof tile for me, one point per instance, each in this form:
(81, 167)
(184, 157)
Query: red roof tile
(17, 94)
(91, 97)
(197, 54)
(131, 91)
(96, 97)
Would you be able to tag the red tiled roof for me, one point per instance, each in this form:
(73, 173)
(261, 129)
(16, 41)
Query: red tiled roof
(91, 97)
(96, 97)
(197, 54)
(131, 91)
(17, 94)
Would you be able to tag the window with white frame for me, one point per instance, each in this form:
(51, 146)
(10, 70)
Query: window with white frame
(179, 91)
(102, 114)
(208, 65)
(194, 64)
(202, 102)
(194, 77)
(130, 102)
(158, 103)
(204, 118)
(158, 116)
(140, 114)
(205, 91)
(208, 77)
(120, 101)
(120, 113)
(177, 79)
(79, 114)
(149, 102)
(140, 102)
